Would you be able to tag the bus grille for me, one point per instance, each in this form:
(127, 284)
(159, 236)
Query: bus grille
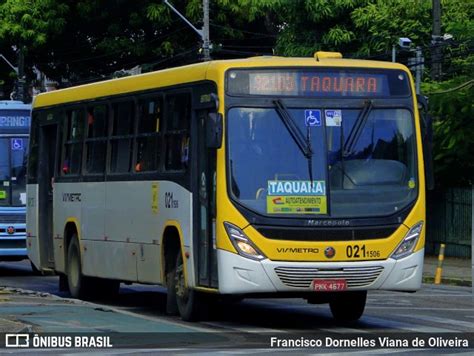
(301, 277)
(12, 218)
(12, 244)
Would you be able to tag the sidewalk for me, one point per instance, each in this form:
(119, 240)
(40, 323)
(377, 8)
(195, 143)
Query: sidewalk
(26, 312)
(457, 271)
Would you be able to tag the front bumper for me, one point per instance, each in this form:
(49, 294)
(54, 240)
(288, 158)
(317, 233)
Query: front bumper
(239, 275)
(13, 246)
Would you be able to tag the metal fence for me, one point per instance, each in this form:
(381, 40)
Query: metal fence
(449, 221)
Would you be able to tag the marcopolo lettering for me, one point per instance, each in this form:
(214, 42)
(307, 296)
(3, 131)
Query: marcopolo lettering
(72, 197)
(328, 223)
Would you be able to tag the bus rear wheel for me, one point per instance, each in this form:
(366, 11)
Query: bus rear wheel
(189, 301)
(79, 285)
(348, 306)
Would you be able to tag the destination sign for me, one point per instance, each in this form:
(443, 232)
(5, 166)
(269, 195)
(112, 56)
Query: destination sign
(345, 83)
(14, 118)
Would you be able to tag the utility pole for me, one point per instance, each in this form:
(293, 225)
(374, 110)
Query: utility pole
(436, 49)
(419, 68)
(203, 33)
(21, 75)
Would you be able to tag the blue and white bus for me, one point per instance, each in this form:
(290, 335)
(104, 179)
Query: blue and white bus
(14, 131)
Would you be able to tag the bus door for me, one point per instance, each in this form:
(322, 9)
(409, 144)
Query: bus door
(206, 205)
(48, 157)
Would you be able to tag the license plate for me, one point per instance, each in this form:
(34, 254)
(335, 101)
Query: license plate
(329, 285)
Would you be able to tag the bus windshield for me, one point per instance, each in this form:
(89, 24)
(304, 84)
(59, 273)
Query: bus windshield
(363, 161)
(13, 152)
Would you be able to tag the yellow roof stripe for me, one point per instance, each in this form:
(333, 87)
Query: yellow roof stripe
(209, 70)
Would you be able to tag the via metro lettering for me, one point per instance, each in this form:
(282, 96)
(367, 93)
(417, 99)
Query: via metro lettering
(72, 197)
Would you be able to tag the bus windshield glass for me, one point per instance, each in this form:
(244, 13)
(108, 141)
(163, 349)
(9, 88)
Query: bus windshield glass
(14, 129)
(363, 161)
(13, 152)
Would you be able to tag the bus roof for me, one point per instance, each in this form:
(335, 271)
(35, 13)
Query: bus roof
(192, 73)
(14, 105)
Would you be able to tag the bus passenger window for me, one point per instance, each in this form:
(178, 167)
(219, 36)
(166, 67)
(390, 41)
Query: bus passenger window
(148, 134)
(177, 140)
(96, 142)
(122, 134)
(72, 150)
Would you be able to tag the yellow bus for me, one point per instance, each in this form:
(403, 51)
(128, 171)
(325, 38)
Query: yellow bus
(259, 177)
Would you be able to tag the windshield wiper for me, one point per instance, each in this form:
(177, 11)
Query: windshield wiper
(303, 143)
(356, 130)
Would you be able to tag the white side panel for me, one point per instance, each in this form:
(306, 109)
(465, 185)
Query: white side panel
(93, 210)
(121, 226)
(67, 206)
(148, 263)
(32, 223)
(133, 216)
(116, 260)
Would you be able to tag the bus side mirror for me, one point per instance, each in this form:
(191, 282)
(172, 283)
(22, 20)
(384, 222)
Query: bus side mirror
(422, 102)
(214, 130)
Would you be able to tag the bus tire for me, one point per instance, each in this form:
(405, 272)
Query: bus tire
(348, 306)
(79, 285)
(188, 300)
(171, 304)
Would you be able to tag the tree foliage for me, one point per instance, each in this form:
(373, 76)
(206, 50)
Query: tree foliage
(78, 41)
(452, 107)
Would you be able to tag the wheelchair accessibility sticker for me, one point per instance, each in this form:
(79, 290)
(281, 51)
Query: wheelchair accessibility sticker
(312, 117)
(17, 144)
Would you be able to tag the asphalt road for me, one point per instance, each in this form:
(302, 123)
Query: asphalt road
(432, 309)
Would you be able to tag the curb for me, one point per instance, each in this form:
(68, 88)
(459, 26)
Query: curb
(449, 281)
(14, 327)
(95, 306)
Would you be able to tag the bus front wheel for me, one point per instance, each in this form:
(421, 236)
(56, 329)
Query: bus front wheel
(187, 300)
(348, 306)
(79, 285)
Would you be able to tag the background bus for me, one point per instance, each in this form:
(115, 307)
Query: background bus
(14, 132)
(299, 177)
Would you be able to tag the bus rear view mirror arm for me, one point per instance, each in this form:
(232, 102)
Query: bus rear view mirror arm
(214, 130)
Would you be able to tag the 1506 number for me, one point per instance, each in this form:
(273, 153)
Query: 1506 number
(357, 251)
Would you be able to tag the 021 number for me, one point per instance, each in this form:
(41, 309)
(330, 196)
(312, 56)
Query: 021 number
(355, 251)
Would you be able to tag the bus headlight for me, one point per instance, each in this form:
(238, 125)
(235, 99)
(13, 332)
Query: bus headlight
(242, 243)
(409, 242)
